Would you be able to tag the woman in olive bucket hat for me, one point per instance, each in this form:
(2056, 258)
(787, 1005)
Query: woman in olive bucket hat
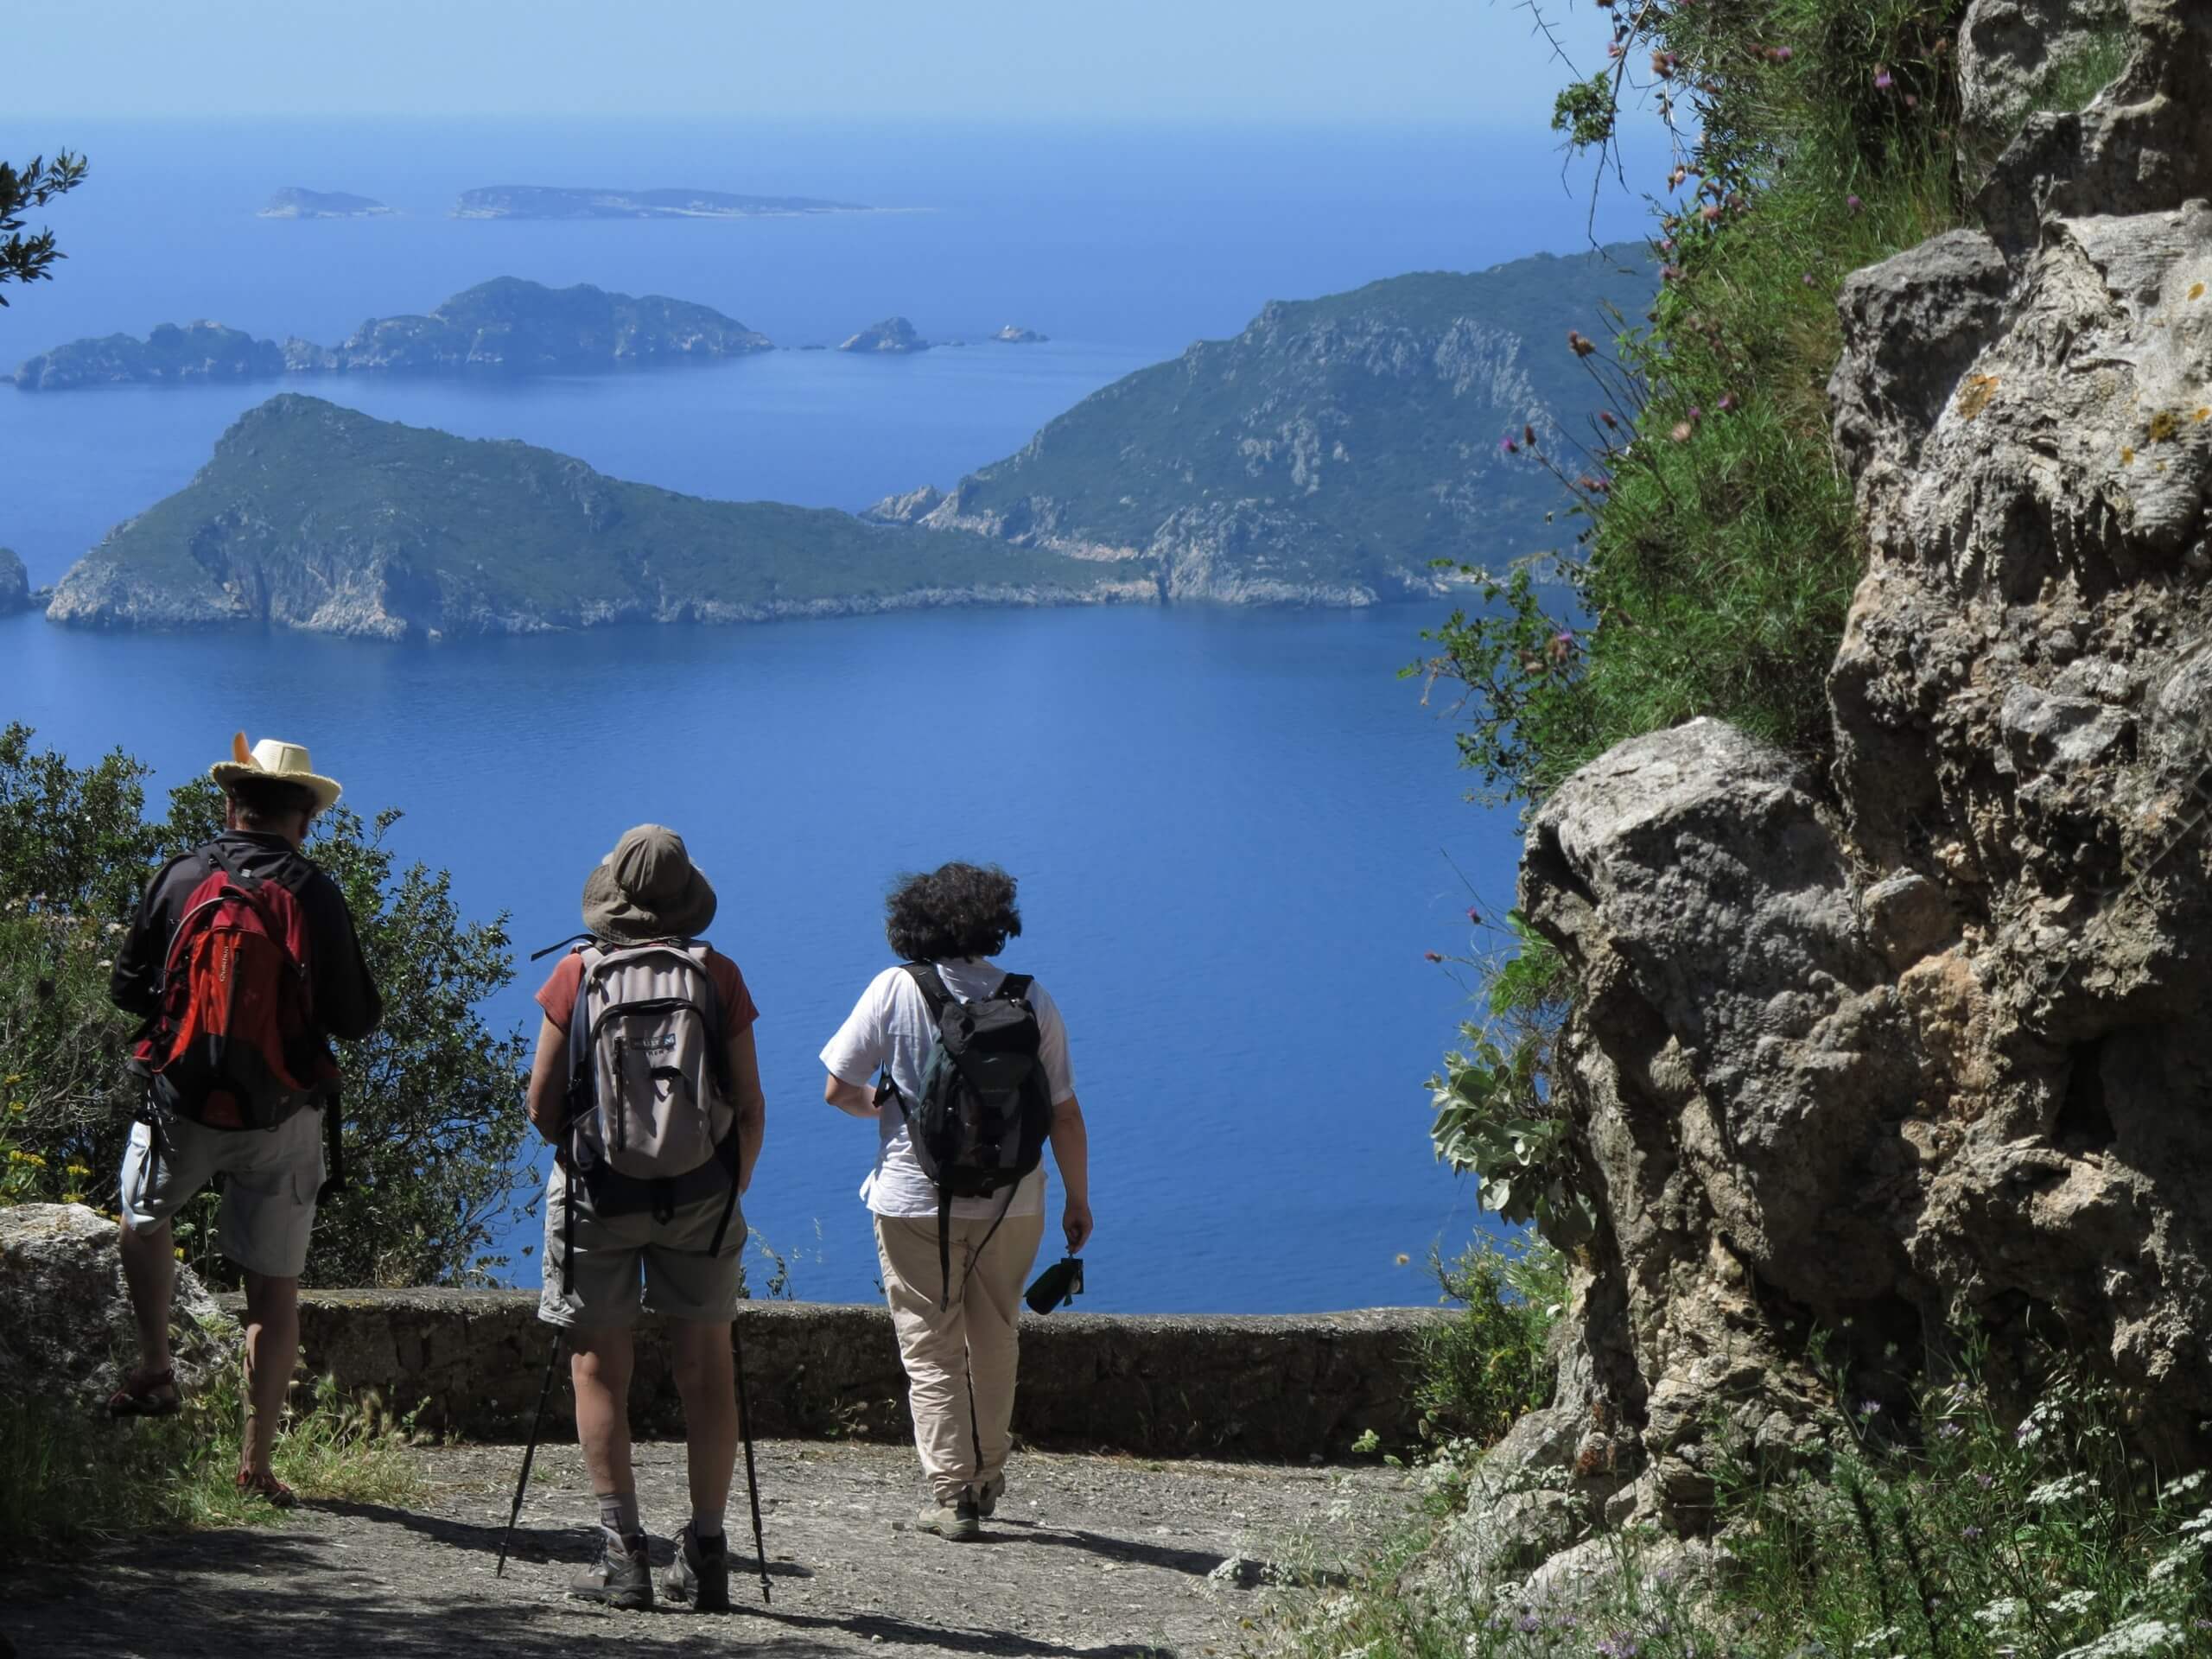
(645, 905)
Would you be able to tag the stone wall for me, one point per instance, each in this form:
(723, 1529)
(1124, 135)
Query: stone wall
(1288, 1387)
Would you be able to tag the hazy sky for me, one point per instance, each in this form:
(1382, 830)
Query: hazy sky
(1240, 61)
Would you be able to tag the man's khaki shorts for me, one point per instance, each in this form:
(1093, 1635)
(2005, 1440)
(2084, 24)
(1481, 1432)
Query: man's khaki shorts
(270, 1177)
(682, 1282)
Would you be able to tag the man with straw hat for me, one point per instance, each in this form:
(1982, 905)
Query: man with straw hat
(244, 964)
(646, 1084)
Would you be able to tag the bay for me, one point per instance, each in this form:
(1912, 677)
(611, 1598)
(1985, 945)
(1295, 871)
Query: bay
(1237, 832)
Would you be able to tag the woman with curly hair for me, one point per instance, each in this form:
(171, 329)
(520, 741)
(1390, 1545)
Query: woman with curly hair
(955, 1317)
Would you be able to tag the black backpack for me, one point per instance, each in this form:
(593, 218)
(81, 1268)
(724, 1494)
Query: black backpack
(986, 1107)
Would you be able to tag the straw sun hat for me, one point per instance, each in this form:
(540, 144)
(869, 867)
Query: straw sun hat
(279, 762)
(648, 888)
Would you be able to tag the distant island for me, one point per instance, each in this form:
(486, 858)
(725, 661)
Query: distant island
(1330, 453)
(891, 336)
(293, 202)
(547, 202)
(313, 516)
(1014, 334)
(506, 326)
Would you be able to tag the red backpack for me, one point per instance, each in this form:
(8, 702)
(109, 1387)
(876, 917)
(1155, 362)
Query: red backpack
(234, 1046)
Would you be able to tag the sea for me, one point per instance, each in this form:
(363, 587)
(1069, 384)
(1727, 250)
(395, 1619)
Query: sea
(1241, 837)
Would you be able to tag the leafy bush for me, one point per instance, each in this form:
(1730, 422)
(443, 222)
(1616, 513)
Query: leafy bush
(433, 1101)
(1484, 1368)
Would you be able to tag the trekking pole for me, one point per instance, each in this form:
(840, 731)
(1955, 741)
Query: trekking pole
(752, 1481)
(530, 1452)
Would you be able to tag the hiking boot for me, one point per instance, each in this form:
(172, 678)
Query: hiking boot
(621, 1577)
(988, 1495)
(699, 1576)
(959, 1521)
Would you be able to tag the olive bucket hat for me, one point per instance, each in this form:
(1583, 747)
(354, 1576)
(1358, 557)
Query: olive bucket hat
(648, 888)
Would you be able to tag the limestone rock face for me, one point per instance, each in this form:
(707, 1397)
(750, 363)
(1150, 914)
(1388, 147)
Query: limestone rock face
(1926, 1040)
(66, 1330)
(14, 583)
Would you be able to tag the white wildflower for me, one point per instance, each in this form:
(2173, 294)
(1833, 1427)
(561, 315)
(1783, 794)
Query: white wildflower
(2198, 1525)
(2065, 1489)
(2137, 1636)
(2074, 1603)
(2185, 1485)
(2005, 1610)
(1879, 1640)
(2173, 1562)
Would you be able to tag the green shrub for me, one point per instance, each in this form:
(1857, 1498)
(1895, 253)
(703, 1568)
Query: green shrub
(1483, 1367)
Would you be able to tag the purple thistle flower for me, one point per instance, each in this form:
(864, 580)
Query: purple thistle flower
(1509, 446)
(1854, 203)
(1882, 81)
(1808, 280)
(1985, 1481)
(1474, 915)
(1727, 401)
(1696, 414)
(1529, 1624)
(1783, 55)
(1949, 1431)
(1870, 1408)
(1970, 1532)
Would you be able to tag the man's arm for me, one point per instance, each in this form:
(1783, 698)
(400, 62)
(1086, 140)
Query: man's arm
(854, 1098)
(1072, 1152)
(347, 1004)
(751, 1105)
(549, 1081)
(135, 985)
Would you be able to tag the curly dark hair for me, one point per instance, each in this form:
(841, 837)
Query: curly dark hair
(953, 910)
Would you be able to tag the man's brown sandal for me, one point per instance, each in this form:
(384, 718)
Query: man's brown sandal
(139, 1396)
(266, 1486)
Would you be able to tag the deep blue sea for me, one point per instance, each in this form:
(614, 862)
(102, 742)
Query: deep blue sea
(1237, 832)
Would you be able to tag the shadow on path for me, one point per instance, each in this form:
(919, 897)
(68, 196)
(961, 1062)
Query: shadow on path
(534, 1544)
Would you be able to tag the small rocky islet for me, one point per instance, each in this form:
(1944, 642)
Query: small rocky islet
(295, 202)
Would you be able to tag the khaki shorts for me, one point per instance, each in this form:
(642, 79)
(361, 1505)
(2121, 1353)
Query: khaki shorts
(270, 1177)
(682, 1282)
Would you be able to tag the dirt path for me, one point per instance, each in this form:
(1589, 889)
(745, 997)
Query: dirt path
(1098, 1557)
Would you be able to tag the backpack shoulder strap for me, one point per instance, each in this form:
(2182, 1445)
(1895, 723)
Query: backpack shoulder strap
(931, 985)
(1014, 988)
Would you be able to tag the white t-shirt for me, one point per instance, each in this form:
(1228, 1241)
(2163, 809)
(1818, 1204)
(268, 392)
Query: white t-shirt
(891, 1024)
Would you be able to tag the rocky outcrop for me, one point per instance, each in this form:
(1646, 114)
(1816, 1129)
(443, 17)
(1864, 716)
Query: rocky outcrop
(1924, 1041)
(1014, 334)
(1333, 453)
(66, 1335)
(14, 583)
(891, 336)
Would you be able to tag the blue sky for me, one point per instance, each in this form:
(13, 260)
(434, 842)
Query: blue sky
(1326, 62)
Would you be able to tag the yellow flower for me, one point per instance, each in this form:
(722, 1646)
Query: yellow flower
(72, 1197)
(14, 1078)
(180, 1252)
(76, 1169)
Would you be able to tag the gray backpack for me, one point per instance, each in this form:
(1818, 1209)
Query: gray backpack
(650, 1123)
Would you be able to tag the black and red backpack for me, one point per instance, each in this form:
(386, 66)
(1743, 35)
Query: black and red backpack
(234, 1043)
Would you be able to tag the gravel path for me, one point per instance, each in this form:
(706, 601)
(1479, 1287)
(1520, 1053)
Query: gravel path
(1105, 1558)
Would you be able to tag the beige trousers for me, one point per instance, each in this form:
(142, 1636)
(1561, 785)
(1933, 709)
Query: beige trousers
(944, 1341)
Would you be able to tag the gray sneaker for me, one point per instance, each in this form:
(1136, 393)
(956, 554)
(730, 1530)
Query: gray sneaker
(699, 1576)
(621, 1577)
(958, 1522)
(988, 1495)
